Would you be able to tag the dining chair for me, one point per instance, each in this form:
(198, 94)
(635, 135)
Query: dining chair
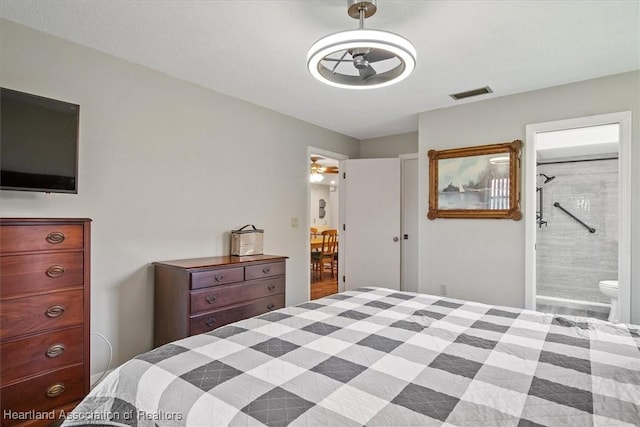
(326, 255)
(314, 234)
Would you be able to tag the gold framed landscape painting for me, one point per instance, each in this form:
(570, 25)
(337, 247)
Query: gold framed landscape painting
(475, 182)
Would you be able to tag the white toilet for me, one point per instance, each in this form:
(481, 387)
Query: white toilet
(610, 289)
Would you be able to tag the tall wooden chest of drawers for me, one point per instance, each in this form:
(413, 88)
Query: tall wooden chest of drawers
(198, 295)
(44, 317)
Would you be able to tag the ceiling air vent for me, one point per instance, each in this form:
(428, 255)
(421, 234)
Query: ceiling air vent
(470, 93)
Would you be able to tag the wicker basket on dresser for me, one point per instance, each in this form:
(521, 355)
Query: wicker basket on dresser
(44, 317)
(197, 295)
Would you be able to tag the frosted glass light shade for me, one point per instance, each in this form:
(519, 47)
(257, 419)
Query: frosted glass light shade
(315, 177)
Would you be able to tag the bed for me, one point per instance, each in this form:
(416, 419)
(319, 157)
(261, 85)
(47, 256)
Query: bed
(379, 357)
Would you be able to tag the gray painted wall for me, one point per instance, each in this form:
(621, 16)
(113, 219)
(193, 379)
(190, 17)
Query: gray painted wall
(483, 260)
(389, 146)
(167, 169)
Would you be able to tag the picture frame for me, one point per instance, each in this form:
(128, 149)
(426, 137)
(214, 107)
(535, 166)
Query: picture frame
(475, 182)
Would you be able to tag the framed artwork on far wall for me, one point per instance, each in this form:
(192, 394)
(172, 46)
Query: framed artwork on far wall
(475, 182)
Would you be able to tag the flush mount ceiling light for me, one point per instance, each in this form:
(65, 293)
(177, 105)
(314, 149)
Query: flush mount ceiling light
(361, 59)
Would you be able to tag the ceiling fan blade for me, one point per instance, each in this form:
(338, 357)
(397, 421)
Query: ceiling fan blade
(333, 70)
(375, 55)
(365, 73)
(331, 169)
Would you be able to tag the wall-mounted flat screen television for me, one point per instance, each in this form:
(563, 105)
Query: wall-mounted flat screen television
(38, 143)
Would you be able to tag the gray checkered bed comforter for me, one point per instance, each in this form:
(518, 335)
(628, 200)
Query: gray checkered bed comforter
(377, 357)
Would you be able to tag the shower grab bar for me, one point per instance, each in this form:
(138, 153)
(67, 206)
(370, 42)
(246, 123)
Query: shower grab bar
(539, 216)
(591, 229)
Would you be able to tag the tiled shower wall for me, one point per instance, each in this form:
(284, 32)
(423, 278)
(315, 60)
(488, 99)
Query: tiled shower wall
(571, 261)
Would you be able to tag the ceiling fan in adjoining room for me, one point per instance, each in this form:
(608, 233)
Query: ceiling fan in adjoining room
(316, 169)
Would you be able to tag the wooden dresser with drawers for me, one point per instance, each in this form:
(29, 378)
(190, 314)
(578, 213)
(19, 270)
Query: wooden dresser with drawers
(198, 295)
(44, 317)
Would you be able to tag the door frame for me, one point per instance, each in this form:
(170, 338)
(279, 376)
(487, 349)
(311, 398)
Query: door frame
(340, 158)
(403, 159)
(623, 118)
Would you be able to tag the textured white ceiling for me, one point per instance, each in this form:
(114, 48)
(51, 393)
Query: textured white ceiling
(256, 50)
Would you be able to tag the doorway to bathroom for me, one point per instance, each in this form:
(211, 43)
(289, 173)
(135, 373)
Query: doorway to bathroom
(578, 217)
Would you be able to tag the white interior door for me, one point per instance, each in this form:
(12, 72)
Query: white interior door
(409, 250)
(371, 236)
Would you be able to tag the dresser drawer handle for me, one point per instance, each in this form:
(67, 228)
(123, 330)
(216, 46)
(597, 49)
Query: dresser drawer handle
(210, 321)
(211, 299)
(219, 277)
(55, 390)
(266, 270)
(271, 287)
(55, 237)
(270, 306)
(55, 271)
(55, 350)
(55, 311)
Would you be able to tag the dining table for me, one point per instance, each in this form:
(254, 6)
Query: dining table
(316, 242)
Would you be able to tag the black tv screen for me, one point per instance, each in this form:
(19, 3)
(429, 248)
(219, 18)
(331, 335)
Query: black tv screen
(38, 143)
